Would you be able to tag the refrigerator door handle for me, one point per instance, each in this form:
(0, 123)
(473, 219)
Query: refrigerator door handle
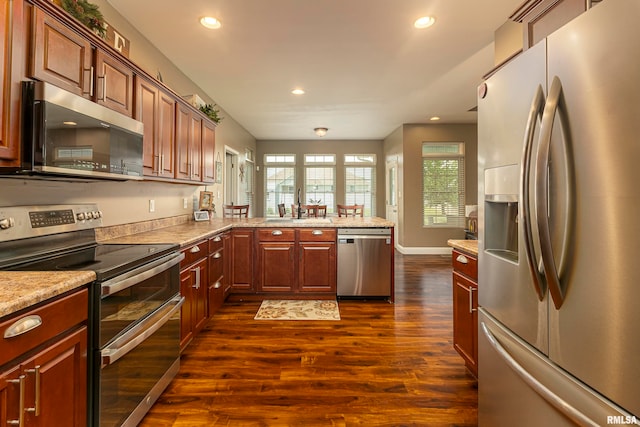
(555, 105)
(535, 113)
(555, 400)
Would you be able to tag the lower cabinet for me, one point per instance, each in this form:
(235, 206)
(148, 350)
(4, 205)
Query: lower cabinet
(296, 260)
(194, 288)
(242, 260)
(465, 309)
(46, 384)
(217, 260)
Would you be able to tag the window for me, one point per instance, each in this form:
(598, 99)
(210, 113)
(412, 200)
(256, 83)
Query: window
(360, 181)
(443, 184)
(279, 181)
(319, 180)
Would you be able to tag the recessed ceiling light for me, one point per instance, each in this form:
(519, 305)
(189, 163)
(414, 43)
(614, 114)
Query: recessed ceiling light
(424, 22)
(210, 22)
(298, 91)
(434, 118)
(70, 123)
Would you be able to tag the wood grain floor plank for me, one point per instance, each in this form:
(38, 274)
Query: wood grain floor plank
(381, 365)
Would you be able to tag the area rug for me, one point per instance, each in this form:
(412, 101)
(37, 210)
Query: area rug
(298, 310)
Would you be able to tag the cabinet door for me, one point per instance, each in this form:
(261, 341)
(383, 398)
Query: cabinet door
(276, 266)
(147, 112)
(242, 260)
(465, 320)
(166, 134)
(195, 147)
(208, 151)
(60, 56)
(12, 50)
(186, 311)
(114, 84)
(227, 263)
(183, 121)
(317, 267)
(199, 282)
(60, 373)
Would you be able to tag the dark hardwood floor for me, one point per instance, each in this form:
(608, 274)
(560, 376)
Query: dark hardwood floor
(381, 365)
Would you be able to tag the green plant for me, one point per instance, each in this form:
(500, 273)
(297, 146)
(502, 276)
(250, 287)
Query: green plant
(212, 112)
(87, 13)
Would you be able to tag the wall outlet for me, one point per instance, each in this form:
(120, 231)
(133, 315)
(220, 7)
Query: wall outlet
(152, 205)
(185, 203)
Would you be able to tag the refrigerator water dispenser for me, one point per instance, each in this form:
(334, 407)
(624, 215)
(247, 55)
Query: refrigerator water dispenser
(501, 211)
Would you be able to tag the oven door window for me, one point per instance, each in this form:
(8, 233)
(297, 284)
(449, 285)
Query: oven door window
(121, 310)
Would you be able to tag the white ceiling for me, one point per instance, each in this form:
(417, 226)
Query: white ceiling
(365, 69)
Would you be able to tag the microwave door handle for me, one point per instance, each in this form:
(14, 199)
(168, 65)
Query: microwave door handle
(136, 335)
(535, 113)
(555, 106)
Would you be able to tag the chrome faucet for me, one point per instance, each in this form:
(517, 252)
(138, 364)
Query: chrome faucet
(299, 206)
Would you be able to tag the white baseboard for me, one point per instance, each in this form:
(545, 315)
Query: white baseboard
(431, 250)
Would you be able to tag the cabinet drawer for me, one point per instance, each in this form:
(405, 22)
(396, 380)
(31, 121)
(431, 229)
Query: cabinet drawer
(53, 319)
(194, 252)
(215, 243)
(216, 265)
(276, 235)
(317, 235)
(465, 264)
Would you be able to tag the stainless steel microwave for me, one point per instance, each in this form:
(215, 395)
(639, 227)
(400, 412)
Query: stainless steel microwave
(67, 135)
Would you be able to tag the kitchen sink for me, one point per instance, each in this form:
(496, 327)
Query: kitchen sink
(300, 221)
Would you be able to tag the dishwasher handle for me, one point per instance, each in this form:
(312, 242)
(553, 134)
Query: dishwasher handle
(351, 239)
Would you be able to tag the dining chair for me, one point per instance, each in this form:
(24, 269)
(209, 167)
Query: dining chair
(281, 210)
(351, 210)
(321, 211)
(305, 211)
(235, 211)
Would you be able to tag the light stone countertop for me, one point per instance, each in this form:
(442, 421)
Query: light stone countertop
(192, 232)
(22, 289)
(469, 246)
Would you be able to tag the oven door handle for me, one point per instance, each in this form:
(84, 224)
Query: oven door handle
(136, 335)
(140, 274)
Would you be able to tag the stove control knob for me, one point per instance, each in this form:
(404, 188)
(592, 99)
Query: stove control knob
(97, 214)
(6, 223)
(89, 215)
(81, 216)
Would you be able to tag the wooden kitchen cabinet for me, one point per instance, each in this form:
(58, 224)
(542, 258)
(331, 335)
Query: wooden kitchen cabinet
(156, 109)
(194, 288)
(242, 260)
(542, 17)
(50, 366)
(64, 58)
(11, 59)
(317, 268)
(208, 151)
(465, 308)
(276, 260)
(188, 143)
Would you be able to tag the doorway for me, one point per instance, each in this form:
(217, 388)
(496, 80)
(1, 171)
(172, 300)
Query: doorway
(230, 177)
(391, 178)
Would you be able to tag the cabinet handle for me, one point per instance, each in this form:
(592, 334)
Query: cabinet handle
(317, 232)
(195, 249)
(20, 421)
(217, 239)
(91, 74)
(216, 255)
(23, 325)
(276, 233)
(161, 164)
(471, 309)
(217, 285)
(197, 271)
(36, 407)
(462, 259)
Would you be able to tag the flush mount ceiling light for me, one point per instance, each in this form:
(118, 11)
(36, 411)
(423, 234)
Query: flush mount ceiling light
(434, 118)
(210, 22)
(424, 22)
(298, 91)
(321, 131)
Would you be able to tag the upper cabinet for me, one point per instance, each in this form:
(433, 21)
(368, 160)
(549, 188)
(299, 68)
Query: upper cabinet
(11, 42)
(66, 59)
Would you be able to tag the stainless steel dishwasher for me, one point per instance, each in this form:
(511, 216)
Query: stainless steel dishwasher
(364, 262)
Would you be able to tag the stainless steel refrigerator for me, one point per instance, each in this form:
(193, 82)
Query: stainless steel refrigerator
(559, 228)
